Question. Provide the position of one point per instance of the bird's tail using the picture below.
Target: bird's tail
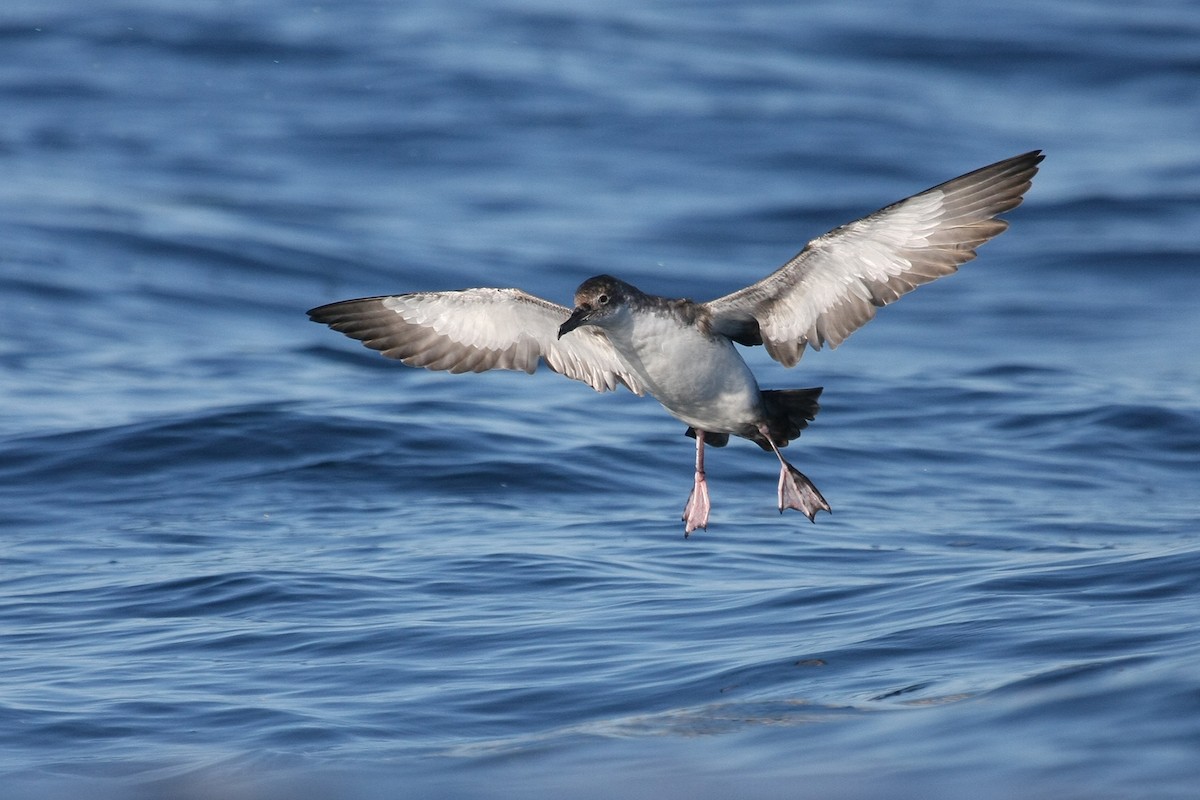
(788, 412)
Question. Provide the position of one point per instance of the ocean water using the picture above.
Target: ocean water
(242, 556)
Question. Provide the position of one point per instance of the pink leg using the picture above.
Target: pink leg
(695, 513)
(795, 490)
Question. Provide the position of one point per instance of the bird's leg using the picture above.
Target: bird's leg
(795, 490)
(695, 513)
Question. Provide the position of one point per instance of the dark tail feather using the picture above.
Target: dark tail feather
(788, 412)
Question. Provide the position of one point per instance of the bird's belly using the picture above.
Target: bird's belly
(700, 380)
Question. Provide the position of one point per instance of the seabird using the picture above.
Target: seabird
(681, 352)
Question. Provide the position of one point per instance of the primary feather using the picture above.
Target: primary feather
(473, 330)
(837, 282)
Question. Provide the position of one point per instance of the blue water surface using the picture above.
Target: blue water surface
(241, 555)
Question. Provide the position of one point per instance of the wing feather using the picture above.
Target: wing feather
(473, 330)
(837, 282)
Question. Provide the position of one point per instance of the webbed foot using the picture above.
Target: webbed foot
(796, 491)
(695, 513)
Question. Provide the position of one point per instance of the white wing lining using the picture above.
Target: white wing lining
(473, 330)
(837, 282)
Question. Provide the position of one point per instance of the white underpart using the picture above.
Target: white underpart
(700, 379)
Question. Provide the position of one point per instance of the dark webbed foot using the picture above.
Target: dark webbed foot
(797, 491)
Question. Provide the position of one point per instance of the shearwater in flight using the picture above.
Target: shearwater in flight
(683, 353)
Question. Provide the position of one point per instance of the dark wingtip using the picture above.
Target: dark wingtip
(324, 314)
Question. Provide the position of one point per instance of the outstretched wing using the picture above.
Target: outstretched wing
(833, 286)
(473, 330)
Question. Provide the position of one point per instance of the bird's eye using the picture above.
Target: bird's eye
(602, 299)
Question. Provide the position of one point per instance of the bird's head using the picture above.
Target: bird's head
(599, 301)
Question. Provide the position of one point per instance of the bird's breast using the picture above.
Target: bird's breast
(701, 379)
